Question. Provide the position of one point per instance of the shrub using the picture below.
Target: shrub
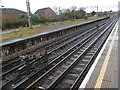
(21, 22)
(54, 20)
(42, 20)
(85, 17)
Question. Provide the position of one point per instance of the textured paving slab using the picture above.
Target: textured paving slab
(110, 78)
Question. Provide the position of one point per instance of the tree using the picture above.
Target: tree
(67, 14)
(24, 16)
(93, 13)
(110, 11)
(73, 10)
(80, 13)
(82, 8)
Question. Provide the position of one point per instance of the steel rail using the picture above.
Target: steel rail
(50, 70)
(69, 41)
(59, 46)
(50, 51)
(52, 85)
(20, 65)
(58, 58)
(59, 40)
(53, 49)
(80, 77)
(32, 62)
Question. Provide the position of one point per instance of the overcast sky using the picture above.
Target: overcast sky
(37, 4)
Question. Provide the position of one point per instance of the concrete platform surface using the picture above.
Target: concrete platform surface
(104, 71)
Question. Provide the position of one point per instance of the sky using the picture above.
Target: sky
(103, 5)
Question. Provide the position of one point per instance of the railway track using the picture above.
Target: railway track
(54, 63)
(74, 74)
(57, 46)
(22, 65)
(51, 50)
(11, 63)
(70, 70)
(74, 40)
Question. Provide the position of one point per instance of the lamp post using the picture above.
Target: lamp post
(28, 13)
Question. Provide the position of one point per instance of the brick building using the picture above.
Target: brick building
(47, 13)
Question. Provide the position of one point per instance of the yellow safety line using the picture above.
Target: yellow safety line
(104, 66)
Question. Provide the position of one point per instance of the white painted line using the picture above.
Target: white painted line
(86, 79)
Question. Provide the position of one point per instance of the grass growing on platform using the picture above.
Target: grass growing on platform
(24, 32)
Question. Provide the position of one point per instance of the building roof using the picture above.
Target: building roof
(41, 10)
(11, 11)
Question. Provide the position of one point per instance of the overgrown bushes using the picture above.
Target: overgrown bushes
(54, 20)
(85, 17)
(22, 21)
(19, 23)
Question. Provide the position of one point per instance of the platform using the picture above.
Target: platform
(104, 71)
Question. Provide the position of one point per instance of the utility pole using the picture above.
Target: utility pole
(28, 13)
(97, 10)
(74, 15)
(101, 12)
(60, 14)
